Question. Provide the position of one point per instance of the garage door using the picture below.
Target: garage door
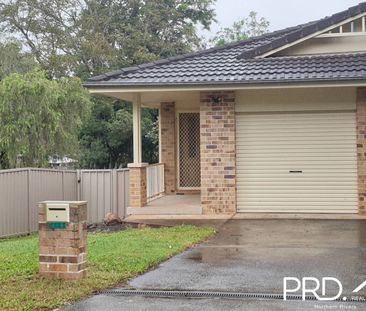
(297, 162)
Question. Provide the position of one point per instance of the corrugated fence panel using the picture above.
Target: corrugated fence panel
(22, 189)
(122, 191)
(44, 185)
(70, 186)
(102, 191)
(14, 202)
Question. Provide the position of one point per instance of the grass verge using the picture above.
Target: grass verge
(112, 258)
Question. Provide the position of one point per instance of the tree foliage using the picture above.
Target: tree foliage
(39, 117)
(14, 60)
(88, 37)
(241, 30)
(106, 138)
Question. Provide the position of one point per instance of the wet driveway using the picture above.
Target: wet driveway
(253, 256)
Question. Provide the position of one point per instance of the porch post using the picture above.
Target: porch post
(137, 153)
(138, 182)
(168, 145)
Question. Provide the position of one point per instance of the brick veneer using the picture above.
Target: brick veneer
(218, 173)
(168, 154)
(138, 186)
(361, 148)
(62, 252)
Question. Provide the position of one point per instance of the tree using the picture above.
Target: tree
(39, 117)
(87, 37)
(106, 138)
(241, 30)
(13, 59)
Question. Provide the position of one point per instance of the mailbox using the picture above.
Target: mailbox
(57, 215)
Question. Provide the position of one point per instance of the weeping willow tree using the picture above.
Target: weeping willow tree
(39, 118)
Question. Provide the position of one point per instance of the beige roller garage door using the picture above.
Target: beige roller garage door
(297, 162)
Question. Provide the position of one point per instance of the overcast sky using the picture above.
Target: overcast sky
(280, 13)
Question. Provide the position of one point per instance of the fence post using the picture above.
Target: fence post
(28, 202)
(114, 192)
(78, 184)
(63, 185)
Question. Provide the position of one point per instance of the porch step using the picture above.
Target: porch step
(170, 205)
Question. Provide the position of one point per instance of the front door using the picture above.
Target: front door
(189, 162)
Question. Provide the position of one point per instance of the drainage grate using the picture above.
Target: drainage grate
(205, 294)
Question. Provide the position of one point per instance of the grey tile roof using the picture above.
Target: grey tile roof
(235, 63)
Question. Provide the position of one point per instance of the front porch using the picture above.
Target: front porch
(188, 204)
(196, 173)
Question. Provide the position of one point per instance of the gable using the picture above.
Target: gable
(346, 37)
(316, 46)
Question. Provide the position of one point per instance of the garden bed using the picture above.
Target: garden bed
(102, 227)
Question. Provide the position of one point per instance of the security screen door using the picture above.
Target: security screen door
(189, 170)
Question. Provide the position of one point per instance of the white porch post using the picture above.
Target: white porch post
(137, 174)
(137, 145)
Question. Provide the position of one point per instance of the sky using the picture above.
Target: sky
(280, 13)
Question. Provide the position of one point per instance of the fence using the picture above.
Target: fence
(21, 190)
(155, 180)
(106, 192)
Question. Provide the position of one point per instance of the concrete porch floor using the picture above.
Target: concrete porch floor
(188, 204)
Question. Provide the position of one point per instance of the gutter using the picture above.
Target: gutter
(102, 87)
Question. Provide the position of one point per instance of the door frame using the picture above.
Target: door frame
(178, 112)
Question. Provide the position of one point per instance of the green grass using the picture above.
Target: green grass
(113, 258)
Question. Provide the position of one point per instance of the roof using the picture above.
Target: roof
(236, 63)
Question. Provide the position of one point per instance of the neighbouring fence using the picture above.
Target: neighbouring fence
(21, 190)
(106, 192)
(155, 180)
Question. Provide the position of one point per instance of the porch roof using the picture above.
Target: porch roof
(238, 63)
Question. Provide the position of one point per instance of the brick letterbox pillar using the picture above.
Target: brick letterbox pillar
(62, 245)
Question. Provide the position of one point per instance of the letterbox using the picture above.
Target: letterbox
(57, 215)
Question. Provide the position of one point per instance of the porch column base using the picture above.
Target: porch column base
(138, 190)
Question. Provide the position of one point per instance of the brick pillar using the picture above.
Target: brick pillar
(168, 138)
(361, 148)
(218, 173)
(62, 252)
(138, 188)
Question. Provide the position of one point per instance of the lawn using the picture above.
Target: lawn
(113, 258)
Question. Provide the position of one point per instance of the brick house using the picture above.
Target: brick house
(273, 124)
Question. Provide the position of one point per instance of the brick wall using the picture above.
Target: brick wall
(218, 173)
(138, 185)
(168, 137)
(361, 148)
(62, 252)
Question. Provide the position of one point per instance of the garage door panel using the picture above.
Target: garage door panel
(295, 131)
(287, 149)
(324, 117)
(303, 204)
(336, 141)
(320, 145)
(313, 210)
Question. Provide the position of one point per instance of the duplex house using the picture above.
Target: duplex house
(272, 124)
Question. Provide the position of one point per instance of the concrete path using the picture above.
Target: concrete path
(254, 256)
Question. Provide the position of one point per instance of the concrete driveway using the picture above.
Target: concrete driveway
(253, 256)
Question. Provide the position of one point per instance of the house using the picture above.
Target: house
(65, 162)
(273, 124)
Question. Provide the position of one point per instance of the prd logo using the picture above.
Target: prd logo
(315, 287)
